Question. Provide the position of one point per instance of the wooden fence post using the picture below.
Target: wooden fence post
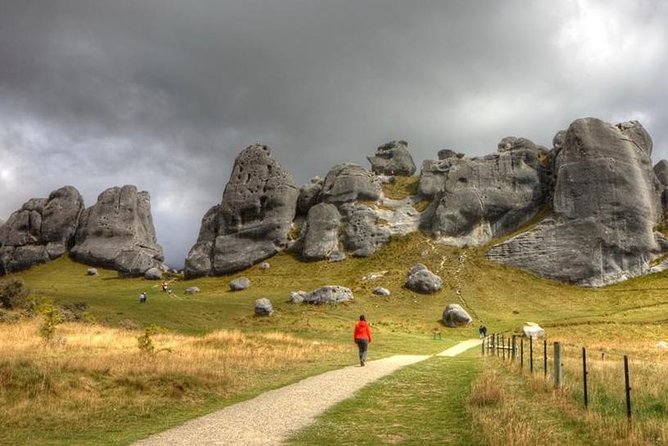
(531, 354)
(503, 347)
(558, 372)
(544, 358)
(584, 376)
(628, 388)
(483, 346)
(514, 351)
(522, 352)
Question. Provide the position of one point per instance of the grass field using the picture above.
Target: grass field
(79, 389)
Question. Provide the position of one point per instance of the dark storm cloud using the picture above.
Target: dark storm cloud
(164, 94)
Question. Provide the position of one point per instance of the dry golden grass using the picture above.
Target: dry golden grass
(90, 369)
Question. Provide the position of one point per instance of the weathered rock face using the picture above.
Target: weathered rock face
(393, 158)
(456, 316)
(253, 220)
(606, 204)
(117, 232)
(309, 195)
(477, 199)
(661, 172)
(42, 230)
(321, 237)
(350, 182)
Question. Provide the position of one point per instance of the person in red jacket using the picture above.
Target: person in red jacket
(362, 337)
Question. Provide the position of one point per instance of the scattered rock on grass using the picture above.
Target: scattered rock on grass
(380, 291)
(263, 307)
(329, 294)
(533, 330)
(191, 290)
(240, 283)
(265, 265)
(421, 280)
(92, 272)
(455, 316)
(153, 274)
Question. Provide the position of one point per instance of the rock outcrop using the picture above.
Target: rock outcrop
(253, 220)
(321, 235)
(392, 158)
(350, 182)
(477, 199)
(42, 230)
(606, 205)
(328, 294)
(117, 232)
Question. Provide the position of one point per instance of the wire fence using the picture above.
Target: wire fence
(611, 383)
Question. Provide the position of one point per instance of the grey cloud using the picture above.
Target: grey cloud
(164, 94)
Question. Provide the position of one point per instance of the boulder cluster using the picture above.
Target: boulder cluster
(599, 202)
(117, 232)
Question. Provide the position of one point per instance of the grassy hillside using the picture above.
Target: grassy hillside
(624, 317)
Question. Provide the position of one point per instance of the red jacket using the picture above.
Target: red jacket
(362, 331)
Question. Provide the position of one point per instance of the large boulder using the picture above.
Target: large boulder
(117, 232)
(606, 205)
(350, 182)
(456, 316)
(321, 235)
(329, 294)
(477, 199)
(393, 158)
(253, 220)
(42, 230)
(421, 280)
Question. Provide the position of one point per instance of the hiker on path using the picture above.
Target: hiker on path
(483, 331)
(362, 337)
(142, 297)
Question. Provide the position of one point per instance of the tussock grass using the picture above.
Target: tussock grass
(101, 372)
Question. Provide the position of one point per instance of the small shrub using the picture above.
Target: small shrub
(52, 318)
(13, 294)
(129, 324)
(144, 341)
(74, 312)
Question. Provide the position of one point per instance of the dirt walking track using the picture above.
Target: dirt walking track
(271, 417)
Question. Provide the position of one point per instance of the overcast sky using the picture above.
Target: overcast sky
(164, 94)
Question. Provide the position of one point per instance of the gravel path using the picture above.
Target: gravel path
(270, 417)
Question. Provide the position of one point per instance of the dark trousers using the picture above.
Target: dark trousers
(363, 345)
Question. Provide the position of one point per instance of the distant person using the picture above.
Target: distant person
(165, 287)
(362, 337)
(483, 331)
(142, 297)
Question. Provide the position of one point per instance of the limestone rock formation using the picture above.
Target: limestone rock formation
(117, 232)
(606, 205)
(153, 274)
(253, 220)
(661, 172)
(362, 232)
(421, 280)
(350, 182)
(42, 230)
(321, 237)
(477, 199)
(393, 158)
(309, 195)
(456, 316)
